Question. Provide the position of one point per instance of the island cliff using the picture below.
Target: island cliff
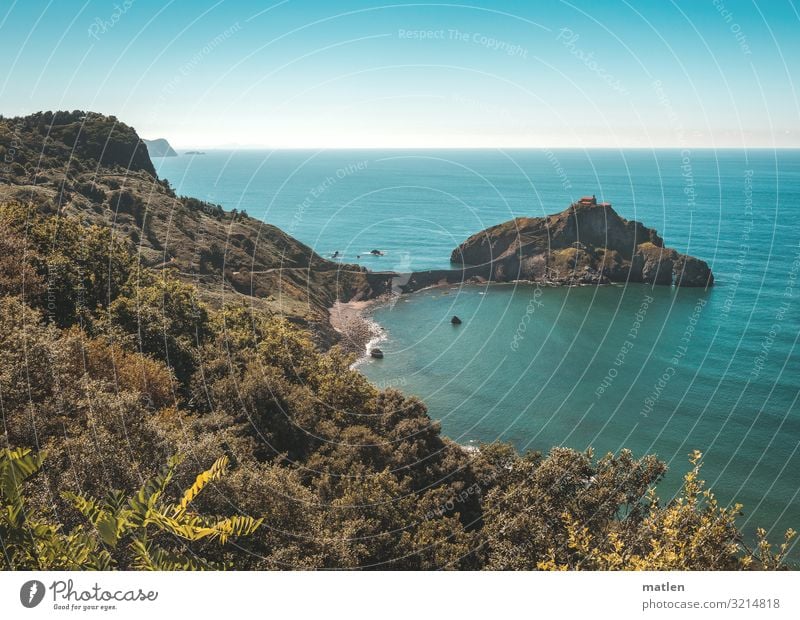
(587, 243)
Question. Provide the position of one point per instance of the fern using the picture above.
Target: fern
(216, 472)
(148, 556)
(146, 516)
(28, 542)
(132, 528)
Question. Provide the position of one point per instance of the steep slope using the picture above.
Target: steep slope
(94, 167)
(586, 243)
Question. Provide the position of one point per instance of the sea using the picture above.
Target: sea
(653, 369)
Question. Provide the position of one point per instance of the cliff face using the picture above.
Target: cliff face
(584, 244)
(93, 167)
(159, 148)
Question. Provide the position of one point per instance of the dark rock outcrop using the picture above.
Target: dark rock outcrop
(588, 243)
(160, 148)
(419, 280)
(455, 320)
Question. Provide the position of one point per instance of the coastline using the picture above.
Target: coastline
(359, 333)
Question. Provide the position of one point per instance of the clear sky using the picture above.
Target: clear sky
(355, 73)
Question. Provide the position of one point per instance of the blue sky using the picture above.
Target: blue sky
(301, 73)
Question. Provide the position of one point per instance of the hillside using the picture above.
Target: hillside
(96, 168)
(124, 395)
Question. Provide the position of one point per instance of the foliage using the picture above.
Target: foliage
(82, 268)
(139, 521)
(577, 515)
(18, 273)
(162, 317)
(126, 532)
(85, 140)
(111, 367)
(692, 531)
(29, 542)
(194, 204)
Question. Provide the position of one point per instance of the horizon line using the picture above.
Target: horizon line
(481, 148)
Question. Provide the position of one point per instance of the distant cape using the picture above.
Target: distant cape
(159, 148)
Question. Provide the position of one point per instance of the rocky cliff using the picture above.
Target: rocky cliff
(159, 148)
(587, 243)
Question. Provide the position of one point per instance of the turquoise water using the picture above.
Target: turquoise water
(652, 369)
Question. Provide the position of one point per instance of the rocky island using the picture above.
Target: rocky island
(587, 243)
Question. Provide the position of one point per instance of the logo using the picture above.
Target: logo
(31, 593)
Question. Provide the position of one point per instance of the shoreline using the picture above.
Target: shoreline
(359, 333)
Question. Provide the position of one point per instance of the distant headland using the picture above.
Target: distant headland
(159, 148)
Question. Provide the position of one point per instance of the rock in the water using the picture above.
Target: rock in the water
(691, 271)
(588, 243)
(376, 353)
(455, 320)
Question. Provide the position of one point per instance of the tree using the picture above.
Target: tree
(82, 269)
(18, 274)
(608, 517)
(164, 318)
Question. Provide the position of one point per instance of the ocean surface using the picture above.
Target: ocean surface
(653, 369)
